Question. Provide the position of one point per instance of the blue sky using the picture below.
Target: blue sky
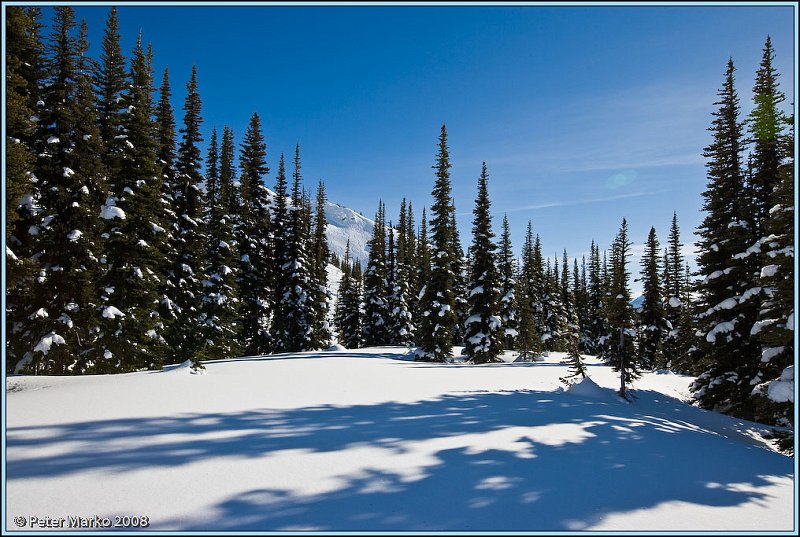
(584, 114)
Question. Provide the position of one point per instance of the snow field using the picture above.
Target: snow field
(369, 440)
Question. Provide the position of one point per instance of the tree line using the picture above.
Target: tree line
(127, 248)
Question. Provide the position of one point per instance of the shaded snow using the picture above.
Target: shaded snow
(368, 440)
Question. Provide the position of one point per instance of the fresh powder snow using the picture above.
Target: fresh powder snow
(369, 440)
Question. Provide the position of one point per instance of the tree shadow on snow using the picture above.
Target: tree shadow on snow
(629, 456)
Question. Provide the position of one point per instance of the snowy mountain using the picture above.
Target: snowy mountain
(345, 223)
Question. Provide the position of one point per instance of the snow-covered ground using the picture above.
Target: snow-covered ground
(370, 440)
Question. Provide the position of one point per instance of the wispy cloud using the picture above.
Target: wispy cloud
(568, 203)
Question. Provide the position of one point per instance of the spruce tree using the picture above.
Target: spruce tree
(652, 319)
(483, 337)
(111, 82)
(674, 307)
(530, 296)
(507, 286)
(422, 269)
(321, 296)
(726, 352)
(571, 337)
(401, 329)
(24, 78)
(186, 275)
(376, 292)
(219, 301)
(133, 331)
(438, 301)
(256, 266)
(620, 352)
(281, 260)
(347, 316)
(212, 177)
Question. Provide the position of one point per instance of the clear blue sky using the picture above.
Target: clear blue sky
(583, 114)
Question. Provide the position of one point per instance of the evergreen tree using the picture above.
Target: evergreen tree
(294, 303)
(186, 275)
(212, 177)
(320, 257)
(376, 307)
(401, 329)
(23, 80)
(507, 284)
(651, 317)
(347, 317)
(111, 82)
(483, 338)
(257, 257)
(581, 301)
(133, 331)
(423, 271)
(460, 267)
(726, 352)
(282, 261)
(438, 301)
(620, 352)
(410, 262)
(571, 338)
(64, 295)
(674, 307)
(220, 296)
(553, 315)
(530, 297)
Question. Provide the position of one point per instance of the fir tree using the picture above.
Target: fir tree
(651, 316)
(212, 177)
(257, 257)
(726, 352)
(347, 316)
(483, 338)
(111, 81)
(320, 257)
(438, 301)
(422, 270)
(401, 329)
(376, 308)
(674, 307)
(530, 297)
(186, 332)
(507, 286)
(218, 313)
(620, 352)
(282, 261)
(23, 80)
(571, 337)
(132, 335)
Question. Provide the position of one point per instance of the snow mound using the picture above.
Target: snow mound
(588, 389)
(183, 368)
(336, 347)
(782, 389)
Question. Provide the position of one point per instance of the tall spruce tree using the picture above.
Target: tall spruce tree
(483, 337)
(111, 81)
(530, 296)
(218, 310)
(401, 329)
(320, 257)
(376, 292)
(24, 78)
(507, 287)
(438, 300)
(186, 275)
(347, 316)
(212, 177)
(652, 319)
(256, 267)
(675, 356)
(620, 351)
(133, 331)
(726, 352)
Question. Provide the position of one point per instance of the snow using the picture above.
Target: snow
(68, 172)
(48, 341)
(476, 291)
(53, 140)
(721, 328)
(770, 352)
(674, 302)
(109, 210)
(769, 271)
(782, 390)
(74, 235)
(727, 304)
(110, 312)
(368, 440)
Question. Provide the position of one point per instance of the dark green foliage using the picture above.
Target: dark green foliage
(132, 327)
(110, 81)
(676, 309)
(506, 267)
(375, 326)
(728, 304)
(347, 316)
(320, 257)
(401, 329)
(438, 300)
(188, 230)
(483, 337)
(530, 294)
(619, 350)
(652, 325)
